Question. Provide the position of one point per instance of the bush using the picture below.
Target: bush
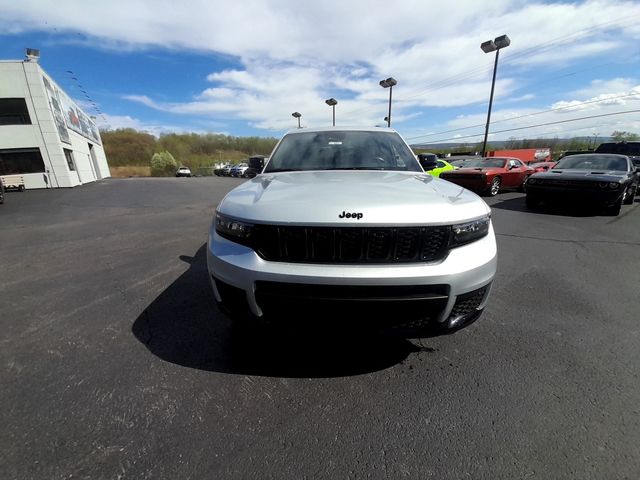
(163, 164)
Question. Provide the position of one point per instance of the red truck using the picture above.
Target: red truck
(527, 155)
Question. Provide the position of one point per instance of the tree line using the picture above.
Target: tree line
(130, 147)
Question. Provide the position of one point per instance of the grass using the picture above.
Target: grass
(130, 171)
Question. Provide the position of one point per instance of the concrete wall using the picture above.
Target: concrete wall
(25, 80)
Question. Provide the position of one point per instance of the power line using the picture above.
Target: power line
(573, 105)
(538, 125)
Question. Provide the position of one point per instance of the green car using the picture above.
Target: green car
(441, 166)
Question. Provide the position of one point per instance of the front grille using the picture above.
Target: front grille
(396, 304)
(567, 183)
(350, 244)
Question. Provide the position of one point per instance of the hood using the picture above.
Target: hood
(326, 197)
(569, 174)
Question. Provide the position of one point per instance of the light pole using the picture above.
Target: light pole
(389, 83)
(490, 46)
(297, 115)
(332, 102)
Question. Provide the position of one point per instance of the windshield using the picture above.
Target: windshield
(342, 150)
(484, 162)
(593, 162)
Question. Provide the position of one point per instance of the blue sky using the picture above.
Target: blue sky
(242, 68)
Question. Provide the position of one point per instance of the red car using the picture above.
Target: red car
(489, 175)
(542, 166)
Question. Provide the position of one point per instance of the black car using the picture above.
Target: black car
(596, 179)
(630, 149)
(1, 191)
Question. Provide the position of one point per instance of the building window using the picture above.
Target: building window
(13, 111)
(69, 156)
(21, 160)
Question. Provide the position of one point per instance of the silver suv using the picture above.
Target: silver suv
(344, 225)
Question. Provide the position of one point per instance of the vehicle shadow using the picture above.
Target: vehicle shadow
(567, 210)
(183, 326)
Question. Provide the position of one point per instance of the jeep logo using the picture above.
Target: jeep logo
(355, 215)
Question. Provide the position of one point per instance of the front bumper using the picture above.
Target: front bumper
(452, 291)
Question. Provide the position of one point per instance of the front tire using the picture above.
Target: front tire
(629, 195)
(494, 188)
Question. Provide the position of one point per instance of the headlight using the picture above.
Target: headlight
(614, 185)
(234, 230)
(531, 180)
(468, 232)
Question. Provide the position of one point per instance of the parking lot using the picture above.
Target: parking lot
(116, 363)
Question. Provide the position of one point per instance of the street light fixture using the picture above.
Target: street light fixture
(332, 102)
(297, 115)
(487, 47)
(389, 83)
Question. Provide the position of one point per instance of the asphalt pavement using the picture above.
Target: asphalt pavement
(115, 363)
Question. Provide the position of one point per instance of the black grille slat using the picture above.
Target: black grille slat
(380, 243)
(351, 244)
(407, 243)
(435, 241)
(322, 244)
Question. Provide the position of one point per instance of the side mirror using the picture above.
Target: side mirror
(427, 162)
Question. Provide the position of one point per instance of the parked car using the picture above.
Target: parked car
(432, 165)
(630, 149)
(574, 152)
(218, 171)
(490, 175)
(458, 162)
(599, 179)
(239, 170)
(226, 170)
(542, 166)
(1, 191)
(441, 166)
(256, 164)
(344, 226)
(183, 172)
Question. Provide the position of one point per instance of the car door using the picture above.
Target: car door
(510, 175)
(517, 172)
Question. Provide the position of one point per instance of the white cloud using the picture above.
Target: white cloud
(293, 55)
(113, 122)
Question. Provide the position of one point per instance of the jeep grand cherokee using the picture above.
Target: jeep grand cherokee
(343, 224)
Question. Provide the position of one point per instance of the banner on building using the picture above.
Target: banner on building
(77, 120)
(56, 109)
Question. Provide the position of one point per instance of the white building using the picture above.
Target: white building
(44, 136)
